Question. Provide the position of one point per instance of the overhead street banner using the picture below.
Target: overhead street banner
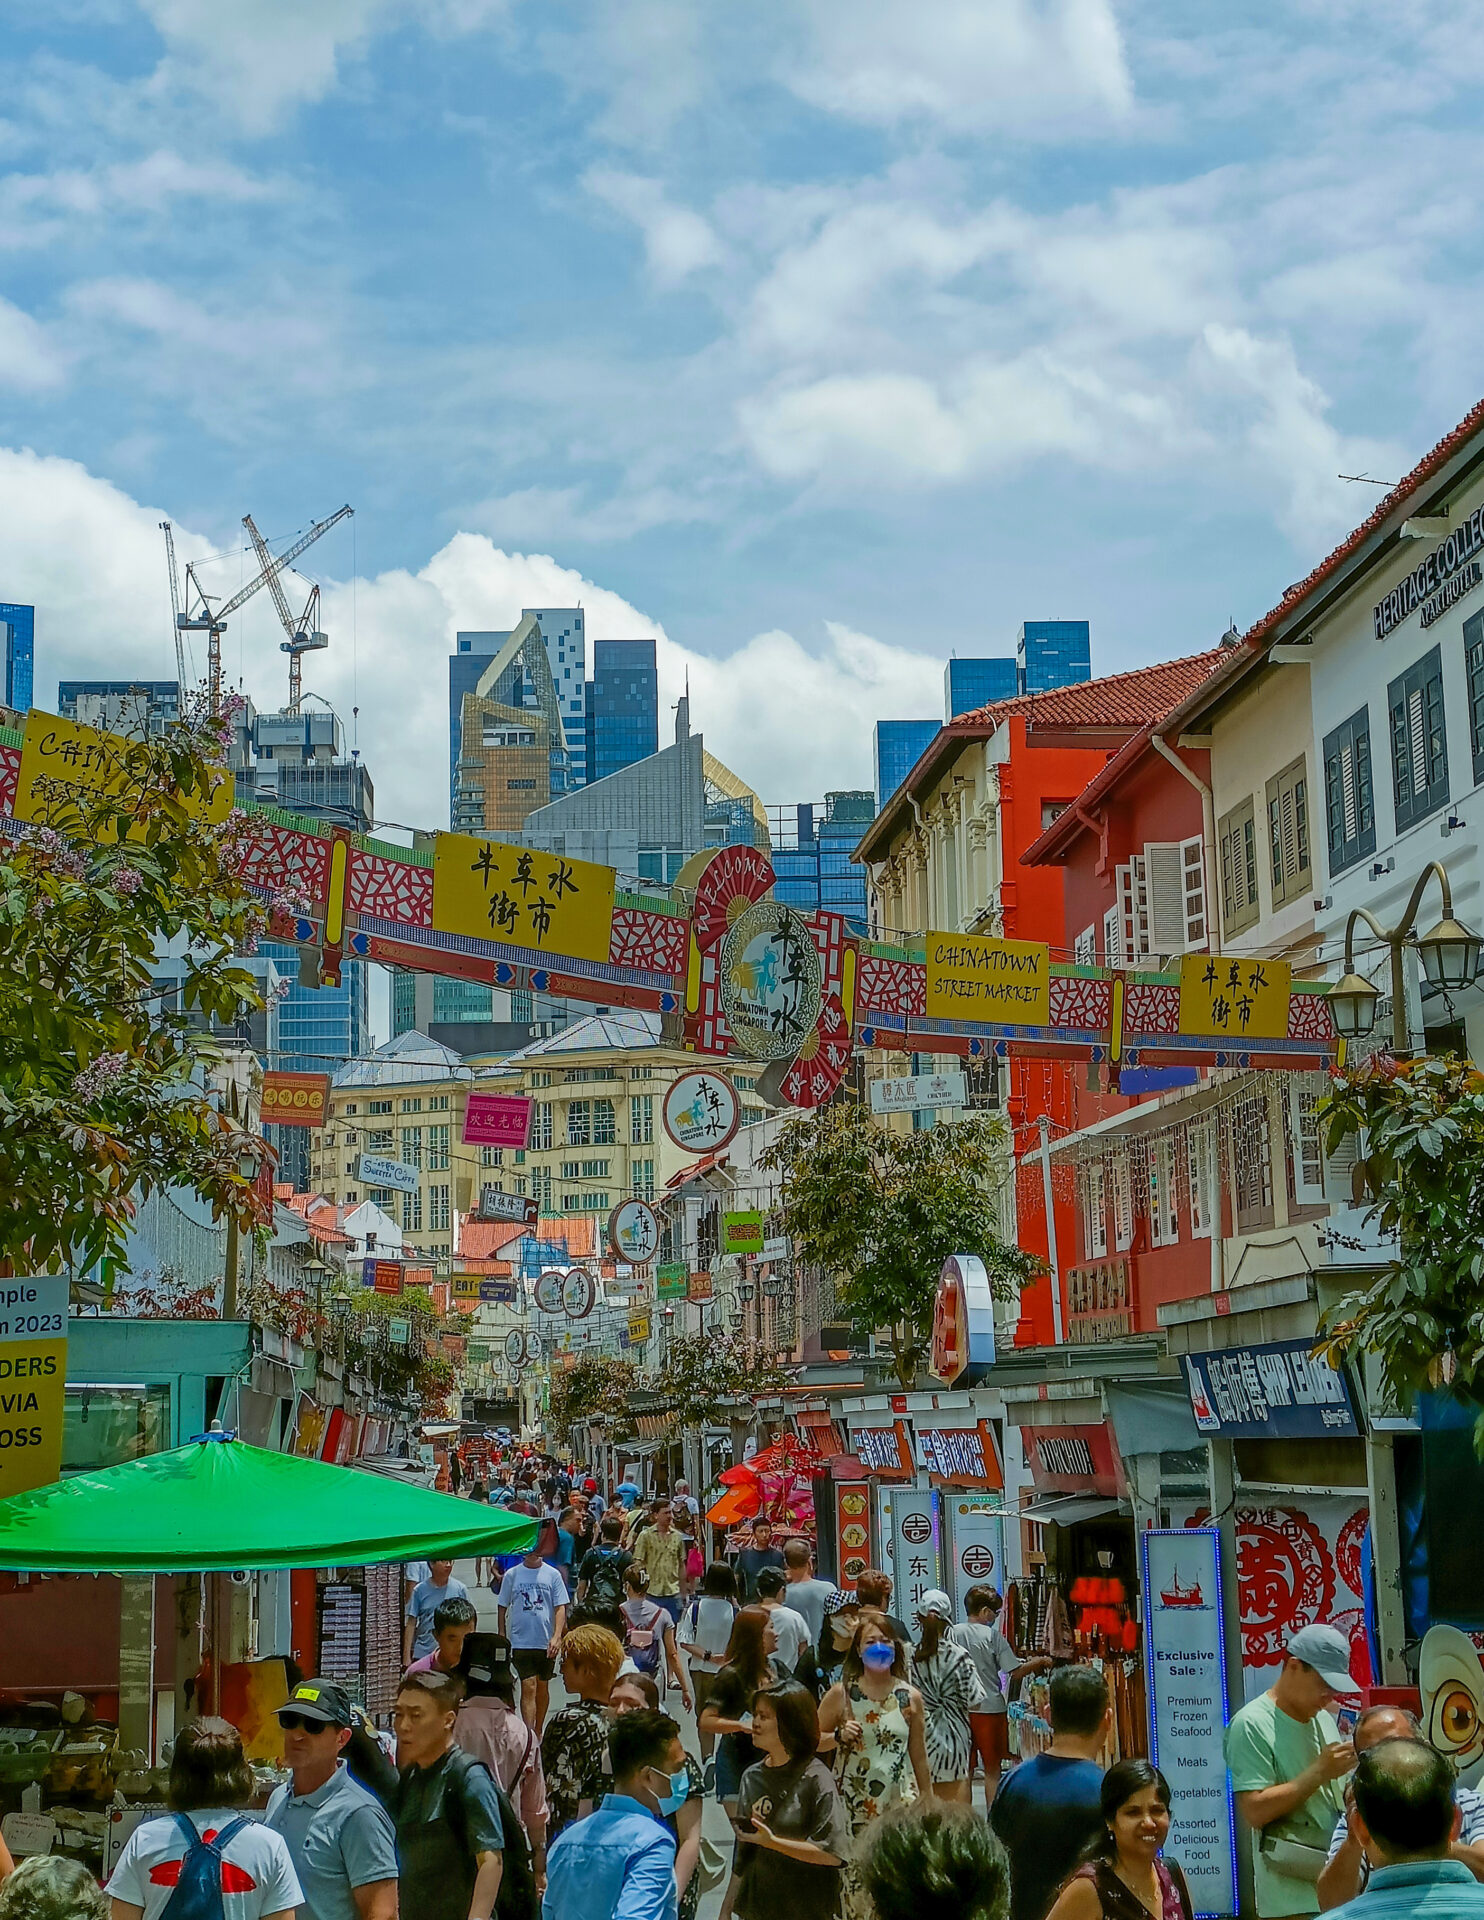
(920, 1093)
(372, 1170)
(1005, 982)
(33, 1381)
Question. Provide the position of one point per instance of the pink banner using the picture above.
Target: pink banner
(496, 1120)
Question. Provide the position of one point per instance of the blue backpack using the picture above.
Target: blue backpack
(198, 1892)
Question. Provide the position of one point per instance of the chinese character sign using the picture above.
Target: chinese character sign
(973, 978)
(487, 890)
(1236, 999)
(1257, 1392)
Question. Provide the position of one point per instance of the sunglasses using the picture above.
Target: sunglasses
(299, 1723)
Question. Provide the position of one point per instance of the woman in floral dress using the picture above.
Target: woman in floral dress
(875, 1719)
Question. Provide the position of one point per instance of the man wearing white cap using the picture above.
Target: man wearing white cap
(1287, 1759)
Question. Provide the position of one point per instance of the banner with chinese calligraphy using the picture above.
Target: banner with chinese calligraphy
(1282, 1390)
(1006, 982)
(295, 1099)
(487, 890)
(670, 1279)
(884, 1450)
(966, 1456)
(1237, 999)
(916, 1546)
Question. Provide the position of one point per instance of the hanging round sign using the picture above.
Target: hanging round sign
(700, 1111)
(579, 1294)
(633, 1232)
(963, 1349)
(533, 1349)
(771, 980)
(549, 1290)
(515, 1346)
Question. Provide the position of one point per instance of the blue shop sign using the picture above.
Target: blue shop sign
(1282, 1390)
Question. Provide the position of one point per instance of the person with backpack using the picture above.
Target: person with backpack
(705, 1630)
(649, 1630)
(340, 1837)
(489, 1729)
(621, 1860)
(205, 1860)
(600, 1591)
(463, 1853)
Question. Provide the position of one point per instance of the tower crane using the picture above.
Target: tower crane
(201, 617)
(180, 665)
(303, 634)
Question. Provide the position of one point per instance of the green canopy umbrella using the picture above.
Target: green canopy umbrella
(220, 1504)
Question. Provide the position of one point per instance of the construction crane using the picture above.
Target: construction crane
(303, 634)
(200, 616)
(180, 665)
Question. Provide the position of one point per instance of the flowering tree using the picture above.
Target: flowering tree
(706, 1375)
(102, 1091)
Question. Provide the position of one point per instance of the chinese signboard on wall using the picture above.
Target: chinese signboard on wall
(1281, 1390)
(967, 1456)
(670, 1278)
(295, 1099)
(970, 977)
(496, 1120)
(1235, 999)
(489, 891)
(1074, 1460)
(742, 1232)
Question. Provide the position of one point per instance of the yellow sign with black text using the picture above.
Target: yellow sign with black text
(970, 977)
(33, 1381)
(1237, 1000)
(487, 890)
(59, 754)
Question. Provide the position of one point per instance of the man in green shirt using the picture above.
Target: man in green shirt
(660, 1550)
(1286, 1760)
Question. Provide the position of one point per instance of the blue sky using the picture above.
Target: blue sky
(819, 339)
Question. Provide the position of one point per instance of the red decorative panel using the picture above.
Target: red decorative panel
(10, 772)
(280, 858)
(1081, 1003)
(391, 889)
(1149, 1008)
(829, 937)
(889, 986)
(734, 878)
(822, 1060)
(1309, 1018)
(653, 941)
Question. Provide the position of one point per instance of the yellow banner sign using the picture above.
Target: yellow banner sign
(56, 750)
(638, 1329)
(33, 1381)
(970, 977)
(1234, 999)
(486, 890)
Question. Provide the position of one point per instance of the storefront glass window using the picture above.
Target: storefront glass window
(106, 1426)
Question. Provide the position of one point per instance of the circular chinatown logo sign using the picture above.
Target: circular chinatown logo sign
(549, 1290)
(700, 1112)
(633, 1232)
(579, 1293)
(771, 981)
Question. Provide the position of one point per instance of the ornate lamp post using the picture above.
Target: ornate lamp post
(1450, 956)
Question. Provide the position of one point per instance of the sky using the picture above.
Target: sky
(820, 340)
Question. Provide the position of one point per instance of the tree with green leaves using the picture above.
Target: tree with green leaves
(881, 1211)
(596, 1386)
(705, 1376)
(1419, 1125)
(103, 1093)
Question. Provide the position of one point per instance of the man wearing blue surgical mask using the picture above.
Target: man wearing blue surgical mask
(619, 1863)
(682, 1807)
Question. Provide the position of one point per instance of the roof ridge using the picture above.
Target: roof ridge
(1080, 691)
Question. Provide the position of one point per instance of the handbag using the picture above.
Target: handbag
(1293, 1857)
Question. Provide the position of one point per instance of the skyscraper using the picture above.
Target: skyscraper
(1053, 653)
(812, 848)
(18, 636)
(565, 633)
(971, 684)
(897, 747)
(623, 706)
(564, 636)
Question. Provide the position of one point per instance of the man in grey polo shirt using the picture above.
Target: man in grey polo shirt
(342, 1840)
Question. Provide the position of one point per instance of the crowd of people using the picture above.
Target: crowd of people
(841, 1742)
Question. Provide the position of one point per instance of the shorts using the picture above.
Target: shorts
(990, 1735)
(532, 1663)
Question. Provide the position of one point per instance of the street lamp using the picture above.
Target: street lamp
(737, 1322)
(745, 1292)
(1450, 956)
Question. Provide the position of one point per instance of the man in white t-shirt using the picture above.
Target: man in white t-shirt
(209, 1780)
(792, 1628)
(532, 1616)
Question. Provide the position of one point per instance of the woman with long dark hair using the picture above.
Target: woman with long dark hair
(951, 1690)
(748, 1669)
(1123, 1876)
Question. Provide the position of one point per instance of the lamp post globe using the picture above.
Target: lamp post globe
(1352, 1004)
(1450, 955)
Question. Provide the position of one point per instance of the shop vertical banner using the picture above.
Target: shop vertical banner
(976, 1542)
(916, 1546)
(33, 1381)
(1186, 1661)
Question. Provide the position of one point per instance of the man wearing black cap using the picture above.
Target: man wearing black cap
(342, 1840)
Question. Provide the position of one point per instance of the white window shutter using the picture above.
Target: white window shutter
(1310, 1188)
(1113, 955)
(1199, 1142)
(1339, 1172)
(1085, 947)
(1123, 1205)
(1164, 867)
(1193, 859)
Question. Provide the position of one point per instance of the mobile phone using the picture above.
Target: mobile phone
(1345, 1719)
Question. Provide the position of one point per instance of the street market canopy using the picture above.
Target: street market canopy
(220, 1504)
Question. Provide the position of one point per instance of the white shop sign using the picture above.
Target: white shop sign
(919, 1093)
(976, 1543)
(373, 1171)
(916, 1548)
(1186, 1660)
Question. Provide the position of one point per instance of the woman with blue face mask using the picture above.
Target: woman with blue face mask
(792, 1836)
(681, 1808)
(873, 1718)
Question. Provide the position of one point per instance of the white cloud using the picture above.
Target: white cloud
(791, 722)
(677, 241)
(1042, 68)
(30, 362)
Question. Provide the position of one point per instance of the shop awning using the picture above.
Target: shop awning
(1066, 1509)
(222, 1504)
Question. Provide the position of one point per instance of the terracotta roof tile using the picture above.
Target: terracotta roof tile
(482, 1239)
(1116, 700)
